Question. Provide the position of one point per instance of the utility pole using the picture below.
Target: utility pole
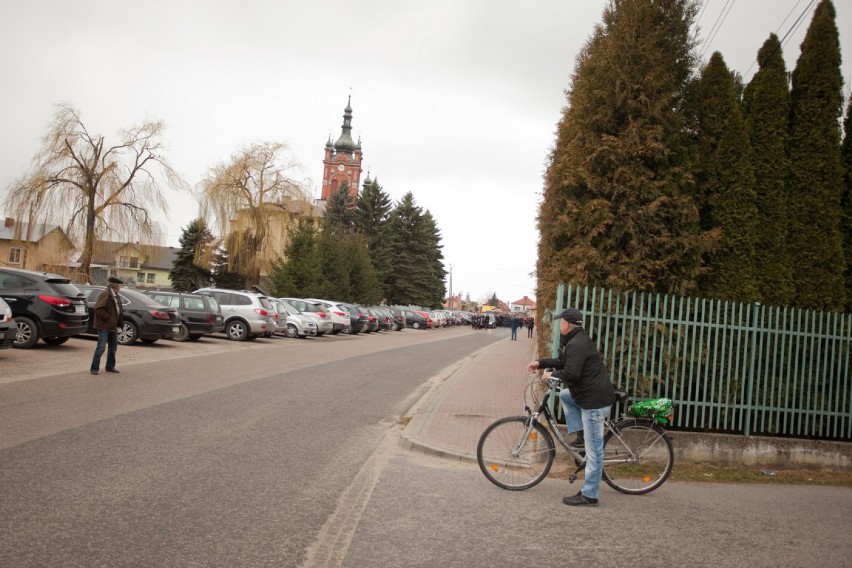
(451, 302)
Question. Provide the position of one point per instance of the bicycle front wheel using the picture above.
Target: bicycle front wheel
(514, 457)
(638, 456)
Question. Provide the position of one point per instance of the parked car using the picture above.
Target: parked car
(384, 317)
(247, 315)
(8, 327)
(373, 322)
(142, 318)
(44, 305)
(398, 319)
(323, 321)
(292, 322)
(438, 318)
(337, 312)
(415, 320)
(359, 319)
(199, 315)
(429, 322)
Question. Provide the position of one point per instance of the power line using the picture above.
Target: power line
(793, 27)
(717, 25)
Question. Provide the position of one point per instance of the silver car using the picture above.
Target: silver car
(247, 315)
(311, 310)
(291, 322)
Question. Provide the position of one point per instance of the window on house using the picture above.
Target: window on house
(128, 262)
(150, 278)
(15, 255)
(140, 277)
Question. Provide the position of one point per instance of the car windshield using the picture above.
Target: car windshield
(214, 304)
(290, 307)
(64, 287)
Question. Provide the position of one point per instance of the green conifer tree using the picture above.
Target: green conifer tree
(413, 255)
(846, 154)
(767, 104)
(299, 273)
(725, 185)
(371, 217)
(816, 181)
(187, 274)
(618, 208)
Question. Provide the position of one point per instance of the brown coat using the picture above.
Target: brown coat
(107, 314)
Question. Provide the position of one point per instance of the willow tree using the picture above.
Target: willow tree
(618, 208)
(100, 190)
(242, 196)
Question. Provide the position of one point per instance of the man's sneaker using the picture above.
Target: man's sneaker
(580, 499)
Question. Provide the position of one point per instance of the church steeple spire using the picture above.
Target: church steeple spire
(342, 161)
(345, 142)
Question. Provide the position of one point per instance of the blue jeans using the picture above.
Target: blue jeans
(591, 422)
(514, 332)
(105, 339)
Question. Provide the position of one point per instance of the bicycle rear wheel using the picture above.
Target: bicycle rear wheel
(512, 459)
(647, 454)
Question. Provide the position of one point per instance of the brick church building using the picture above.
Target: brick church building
(342, 161)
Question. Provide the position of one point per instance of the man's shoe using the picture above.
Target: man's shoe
(112, 370)
(579, 443)
(94, 372)
(580, 499)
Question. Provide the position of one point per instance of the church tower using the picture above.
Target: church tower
(342, 162)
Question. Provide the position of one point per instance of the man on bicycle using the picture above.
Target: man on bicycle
(587, 400)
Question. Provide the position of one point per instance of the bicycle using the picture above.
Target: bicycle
(517, 452)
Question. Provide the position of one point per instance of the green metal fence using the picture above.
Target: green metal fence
(729, 367)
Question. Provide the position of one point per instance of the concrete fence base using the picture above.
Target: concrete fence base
(760, 451)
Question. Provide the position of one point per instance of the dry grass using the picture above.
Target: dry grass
(733, 474)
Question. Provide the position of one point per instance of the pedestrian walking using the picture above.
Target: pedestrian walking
(530, 324)
(107, 316)
(587, 400)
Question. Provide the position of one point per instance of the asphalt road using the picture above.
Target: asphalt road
(285, 453)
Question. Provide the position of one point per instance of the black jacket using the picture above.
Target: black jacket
(581, 367)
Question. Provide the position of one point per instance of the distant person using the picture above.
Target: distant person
(107, 315)
(514, 325)
(587, 400)
(530, 324)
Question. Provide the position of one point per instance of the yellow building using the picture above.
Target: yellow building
(34, 246)
(138, 265)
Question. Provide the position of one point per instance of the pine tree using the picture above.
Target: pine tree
(186, 275)
(340, 210)
(725, 186)
(371, 217)
(816, 98)
(300, 275)
(222, 276)
(846, 154)
(618, 208)
(766, 106)
(412, 280)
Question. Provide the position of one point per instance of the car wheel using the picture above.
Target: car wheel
(416, 325)
(27, 333)
(320, 333)
(237, 331)
(347, 330)
(292, 331)
(182, 334)
(127, 333)
(54, 340)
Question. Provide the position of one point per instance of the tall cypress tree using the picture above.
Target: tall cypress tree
(816, 181)
(725, 186)
(412, 251)
(186, 273)
(371, 217)
(618, 208)
(767, 108)
(846, 155)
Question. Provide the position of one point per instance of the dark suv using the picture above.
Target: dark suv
(142, 317)
(44, 305)
(199, 315)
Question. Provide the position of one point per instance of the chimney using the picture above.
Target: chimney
(9, 222)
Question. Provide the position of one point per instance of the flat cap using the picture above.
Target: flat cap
(114, 280)
(571, 315)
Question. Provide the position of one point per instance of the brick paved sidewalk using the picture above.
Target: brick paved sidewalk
(488, 386)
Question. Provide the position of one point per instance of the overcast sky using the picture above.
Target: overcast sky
(455, 101)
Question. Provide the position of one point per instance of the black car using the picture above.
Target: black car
(415, 320)
(143, 318)
(8, 327)
(199, 315)
(358, 317)
(44, 305)
(398, 318)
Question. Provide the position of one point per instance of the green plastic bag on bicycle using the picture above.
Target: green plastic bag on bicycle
(659, 409)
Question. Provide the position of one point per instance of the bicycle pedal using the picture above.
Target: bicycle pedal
(572, 478)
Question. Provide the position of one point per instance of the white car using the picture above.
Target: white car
(291, 322)
(339, 315)
(311, 310)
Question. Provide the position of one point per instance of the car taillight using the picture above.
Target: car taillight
(372, 318)
(160, 315)
(54, 301)
(340, 314)
(210, 318)
(321, 314)
(261, 311)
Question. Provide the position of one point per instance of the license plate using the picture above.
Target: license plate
(175, 329)
(80, 309)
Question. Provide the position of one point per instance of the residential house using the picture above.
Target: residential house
(522, 306)
(138, 265)
(34, 246)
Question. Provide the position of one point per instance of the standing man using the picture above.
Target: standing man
(587, 400)
(514, 326)
(530, 325)
(107, 315)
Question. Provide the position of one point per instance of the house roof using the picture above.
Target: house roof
(105, 253)
(525, 301)
(38, 231)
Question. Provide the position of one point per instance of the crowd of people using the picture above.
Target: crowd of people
(490, 320)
